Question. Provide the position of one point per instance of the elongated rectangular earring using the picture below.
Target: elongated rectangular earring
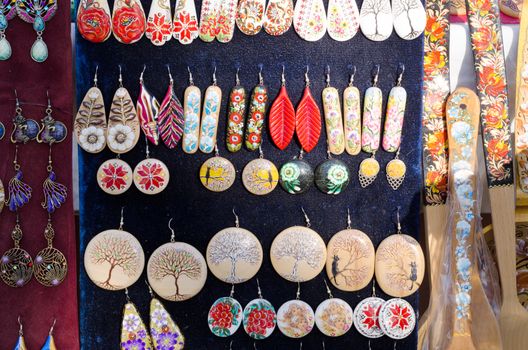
(192, 102)
(37, 12)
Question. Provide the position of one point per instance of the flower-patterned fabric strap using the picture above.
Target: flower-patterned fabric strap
(435, 92)
(486, 39)
(521, 110)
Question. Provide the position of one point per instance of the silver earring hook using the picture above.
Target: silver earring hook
(141, 75)
(283, 76)
(400, 76)
(369, 348)
(374, 287)
(17, 102)
(120, 77)
(173, 234)
(306, 78)
(95, 76)
(398, 219)
(214, 76)
(300, 346)
(298, 295)
(261, 78)
(122, 221)
(237, 222)
(217, 152)
(236, 76)
(170, 75)
(21, 327)
(127, 296)
(52, 326)
(149, 289)
(49, 99)
(328, 76)
(255, 346)
(306, 218)
(349, 221)
(232, 293)
(258, 289)
(191, 80)
(351, 81)
(376, 75)
(147, 148)
(261, 153)
(324, 347)
(301, 154)
(231, 345)
(328, 291)
(395, 345)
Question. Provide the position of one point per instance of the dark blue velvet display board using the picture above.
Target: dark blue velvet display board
(199, 214)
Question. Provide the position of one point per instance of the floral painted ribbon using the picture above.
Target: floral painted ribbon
(486, 39)
(521, 110)
(435, 93)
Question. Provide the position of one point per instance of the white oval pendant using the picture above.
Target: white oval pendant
(260, 319)
(295, 319)
(334, 317)
(225, 317)
(114, 176)
(151, 176)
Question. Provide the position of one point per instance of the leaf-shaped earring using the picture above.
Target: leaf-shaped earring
(375, 19)
(256, 115)
(163, 329)
(185, 25)
(147, 109)
(409, 18)
(278, 17)
(250, 16)
(210, 114)
(7, 12)
(49, 344)
(37, 12)
(151, 175)
(235, 116)
(128, 21)
(123, 122)
(343, 19)
(309, 19)
(352, 117)
(192, 102)
(282, 117)
(308, 119)
(170, 117)
(90, 121)
(134, 333)
(159, 22)
(226, 21)
(21, 343)
(333, 117)
(93, 20)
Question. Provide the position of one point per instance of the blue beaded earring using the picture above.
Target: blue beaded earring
(37, 12)
(7, 12)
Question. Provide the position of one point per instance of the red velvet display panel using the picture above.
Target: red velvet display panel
(36, 304)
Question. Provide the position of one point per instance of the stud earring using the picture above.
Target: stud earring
(50, 341)
(37, 12)
(7, 12)
(21, 343)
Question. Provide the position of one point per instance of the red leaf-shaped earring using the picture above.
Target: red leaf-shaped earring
(282, 118)
(170, 117)
(308, 119)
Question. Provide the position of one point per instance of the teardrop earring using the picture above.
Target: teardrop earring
(21, 343)
(128, 21)
(37, 12)
(134, 333)
(7, 12)
(93, 20)
(49, 344)
(282, 117)
(163, 329)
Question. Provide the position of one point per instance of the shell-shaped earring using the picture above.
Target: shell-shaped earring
(21, 343)
(49, 344)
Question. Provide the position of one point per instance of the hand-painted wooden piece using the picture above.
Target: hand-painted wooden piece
(296, 176)
(278, 17)
(225, 317)
(210, 114)
(185, 24)
(192, 103)
(334, 317)
(134, 333)
(147, 109)
(159, 22)
(512, 8)
(334, 120)
(250, 16)
(151, 176)
(298, 254)
(350, 261)
(295, 319)
(114, 259)
(457, 7)
(123, 123)
(170, 118)
(235, 118)
(332, 176)
(397, 318)
(309, 19)
(93, 20)
(521, 109)
(226, 21)
(209, 19)
(392, 132)
(260, 176)
(260, 319)
(368, 171)
(352, 120)
(343, 19)
(114, 176)
(128, 21)
(409, 18)
(163, 329)
(176, 271)
(217, 174)
(234, 255)
(366, 317)
(255, 117)
(395, 171)
(282, 120)
(371, 133)
(308, 121)
(90, 122)
(376, 20)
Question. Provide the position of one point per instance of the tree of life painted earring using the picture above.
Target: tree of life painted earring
(260, 176)
(37, 12)
(151, 175)
(366, 315)
(7, 12)
(296, 318)
(260, 318)
(334, 317)
(392, 133)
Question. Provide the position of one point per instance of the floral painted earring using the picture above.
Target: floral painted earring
(332, 176)
(134, 333)
(128, 21)
(170, 117)
(352, 117)
(185, 25)
(296, 176)
(366, 315)
(151, 175)
(334, 317)
(309, 20)
(210, 114)
(159, 22)
(209, 17)
(192, 102)
(343, 19)
(7, 12)
(49, 344)
(333, 117)
(250, 16)
(256, 115)
(21, 343)
(278, 17)
(227, 15)
(147, 110)
(37, 12)
(115, 176)
(93, 20)
(235, 117)
(260, 318)
(163, 330)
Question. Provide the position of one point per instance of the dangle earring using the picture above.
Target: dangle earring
(392, 133)
(210, 114)
(227, 15)
(334, 317)
(128, 21)
(257, 113)
(282, 117)
(37, 12)
(409, 18)
(93, 20)
(370, 138)
(260, 176)
(343, 19)
(333, 118)
(185, 24)
(90, 121)
(366, 315)
(350, 262)
(7, 12)
(49, 344)
(278, 17)
(260, 318)
(114, 259)
(250, 16)
(296, 318)
(209, 20)
(176, 270)
(352, 117)
(332, 176)
(376, 20)
(192, 101)
(147, 110)
(170, 117)
(309, 20)
(16, 264)
(115, 176)
(308, 117)
(21, 343)
(236, 115)
(151, 175)
(163, 329)
(159, 22)
(297, 175)
(134, 333)
(217, 174)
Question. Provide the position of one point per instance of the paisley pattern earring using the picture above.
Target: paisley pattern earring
(93, 20)
(333, 117)
(278, 17)
(296, 318)
(192, 102)
(151, 175)
(147, 107)
(366, 315)
(185, 25)
(49, 344)
(352, 117)
(128, 21)
(176, 270)
(134, 333)
(334, 317)
(210, 114)
(170, 117)
(260, 176)
(282, 117)
(256, 115)
(163, 329)
(235, 116)
(21, 343)
(260, 318)
(37, 12)
(7, 12)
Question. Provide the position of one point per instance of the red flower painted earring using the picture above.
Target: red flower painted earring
(128, 21)
(93, 20)
(151, 175)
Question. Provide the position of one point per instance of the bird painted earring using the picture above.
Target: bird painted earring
(260, 176)
(21, 343)
(7, 12)
(49, 344)
(37, 12)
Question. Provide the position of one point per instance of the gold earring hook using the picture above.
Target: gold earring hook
(173, 234)
(306, 218)
(237, 222)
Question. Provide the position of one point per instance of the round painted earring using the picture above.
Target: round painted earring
(217, 174)
(115, 176)
(332, 176)
(151, 175)
(397, 309)
(176, 271)
(260, 176)
(296, 176)
(334, 317)
(366, 315)
(260, 318)
(295, 318)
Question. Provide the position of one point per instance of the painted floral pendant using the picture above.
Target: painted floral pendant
(147, 107)
(114, 259)
(366, 317)
(282, 119)
(334, 317)
(409, 18)
(308, 121)
(278, 17)
(226, 21)
(395, 171)
(210, 114)
(352, 120)
(90, 122)
(260, 319)
(217, 174)
(368, 171)
(209, 20)
(170, 118)
(114, 176)
(250, 16)
(309, 19)
(296, 176)
(185, 25)
(295, 319)
(93, 20)
(234, 255)
(163, 330)
(298, 254)
(333, 120)
(332, 176)
(397, 318)
(192, 103)
(128, 21)
(134, 333)
(159, 22)
(151, 176)
(350, 266)
(255, 118)
(176, 271)
(376, 20)
(123, 123)
(394, 119)
(343, 19)
(400, 265)
(260, 176)
(235, 122)
(371, 132)
(225, 317)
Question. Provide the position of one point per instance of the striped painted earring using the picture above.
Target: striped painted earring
(50, 341)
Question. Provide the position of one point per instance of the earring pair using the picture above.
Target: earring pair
(49, 344)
